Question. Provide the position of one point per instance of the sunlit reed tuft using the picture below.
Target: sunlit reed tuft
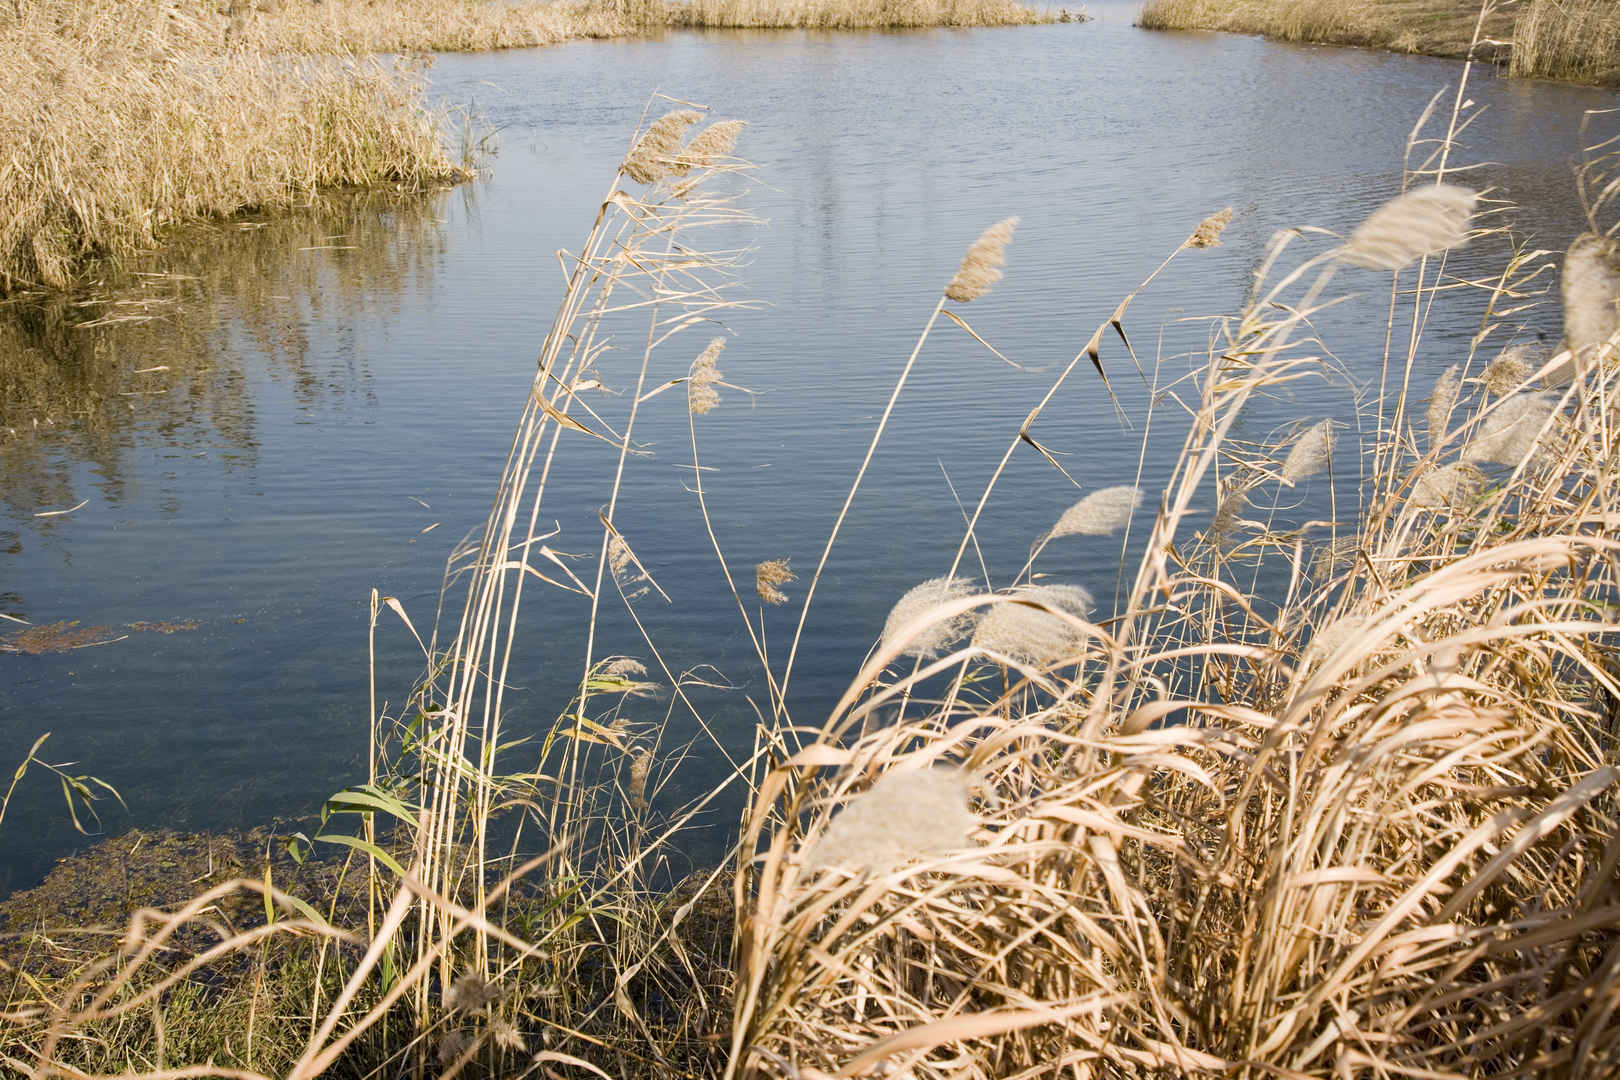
(1591, 288)
(640, 770)
(769, 576)
(1424, 221)
(1310, 454)
(1208, 233)
(981, 266)
(1027, 634)
(701, 395)
(905, 816)
(937, 636)
(653, 156)
(1100, 513)
(1509, 434)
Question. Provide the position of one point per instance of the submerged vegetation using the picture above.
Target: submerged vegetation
(1578, 40)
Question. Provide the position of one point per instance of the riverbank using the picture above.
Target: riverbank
(122, 120)
(1571, 40)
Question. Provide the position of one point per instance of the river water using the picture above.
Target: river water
(285, 413)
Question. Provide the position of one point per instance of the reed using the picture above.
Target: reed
(849, 14)
(122, 120)
(1578, 40)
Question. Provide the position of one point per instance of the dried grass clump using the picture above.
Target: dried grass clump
(769, 577)
(1424, 221)
(981, 266)
(1365, 827)
(1567, 39)
(120, 120)
(918, 603)
(1591, 291)
(906, 816)
(1099, 514)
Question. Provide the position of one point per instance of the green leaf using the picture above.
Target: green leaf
(358, 844)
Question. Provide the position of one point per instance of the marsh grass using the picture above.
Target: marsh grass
(123, 120)
(1366, 824)
(849, 14)
(1568, 39)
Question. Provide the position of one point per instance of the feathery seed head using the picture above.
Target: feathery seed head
(1032, 635)
(1445, 487)
(1334, 556)
(1208, 233)
(1441, 402)
(1424, 221)
(1508, 371)
(1310, 454)
(906, 815)
(709, 146)
(701, 396)
(653, 156)
(640, 769)
(626, 571)
(937, 636)
(624, 668)
(768, 576)
(981, 266)
(1591, 288)
(1511, 432)
(470, 993)
(1100, 513)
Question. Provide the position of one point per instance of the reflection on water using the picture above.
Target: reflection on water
(161, 348)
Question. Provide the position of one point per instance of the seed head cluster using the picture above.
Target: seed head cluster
(1310, 454)
(701, 395)
(769, 576)
(1591, 288)
(653, 156)
(1034, 631)
(1511, 432)
(1208, 233)
(981, 266)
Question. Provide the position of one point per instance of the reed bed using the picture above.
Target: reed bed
(1577, 40)
(121, 120)
(1360, 823)
(850, 14)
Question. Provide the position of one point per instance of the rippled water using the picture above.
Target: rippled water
(289, 412)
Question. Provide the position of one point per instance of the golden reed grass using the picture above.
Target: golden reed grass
(120, 120)
(1577, 40)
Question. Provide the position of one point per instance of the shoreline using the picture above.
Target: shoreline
(1578, 44)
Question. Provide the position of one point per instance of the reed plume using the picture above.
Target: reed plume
(1446, 486)
(1510, 433)
(1034, 631)
(1508, 372)
(1441, 401)
(1591, 290)
(1208, 233)
(769, 576)
(938, 635)
(1424, 221)
(653, 156)
(1102, 512)
(701, 395)
(906, 816)
(1310, 454)
(981, 266)
(709, 147)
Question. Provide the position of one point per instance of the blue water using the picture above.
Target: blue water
(329, 373)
